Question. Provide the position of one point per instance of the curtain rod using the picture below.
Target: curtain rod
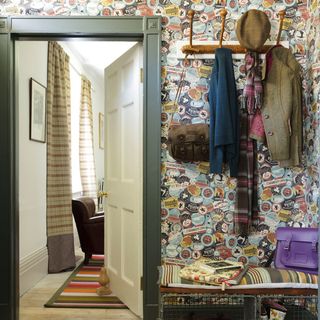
(80, 74)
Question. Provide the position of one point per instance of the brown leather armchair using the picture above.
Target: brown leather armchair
(90, 227)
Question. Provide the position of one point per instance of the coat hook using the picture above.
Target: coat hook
(190, 16)
(223, 14)
(281, 15)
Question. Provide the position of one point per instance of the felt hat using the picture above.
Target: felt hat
(253, 29)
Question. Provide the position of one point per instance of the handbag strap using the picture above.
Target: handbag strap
(178, 93)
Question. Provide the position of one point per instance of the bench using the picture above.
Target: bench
(256, 285)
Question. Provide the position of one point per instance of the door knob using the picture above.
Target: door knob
(103, 194)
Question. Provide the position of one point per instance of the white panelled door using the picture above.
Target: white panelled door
(123, 177)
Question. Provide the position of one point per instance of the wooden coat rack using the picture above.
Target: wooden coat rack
(198, 49)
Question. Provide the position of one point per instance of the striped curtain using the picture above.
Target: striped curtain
(59, 190)
(86, 151)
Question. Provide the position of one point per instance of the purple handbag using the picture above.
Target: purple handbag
(297, 249)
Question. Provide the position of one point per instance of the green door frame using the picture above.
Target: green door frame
(145, 29)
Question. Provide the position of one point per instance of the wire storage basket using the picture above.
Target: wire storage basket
(207, 306)
(293, 307)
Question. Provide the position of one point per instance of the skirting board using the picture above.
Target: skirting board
(33, 268)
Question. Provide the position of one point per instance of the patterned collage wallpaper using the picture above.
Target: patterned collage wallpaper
(313, 40)
(197, 208)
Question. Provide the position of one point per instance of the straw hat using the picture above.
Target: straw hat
(253, 29)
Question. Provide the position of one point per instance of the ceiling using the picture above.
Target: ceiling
(97, 55)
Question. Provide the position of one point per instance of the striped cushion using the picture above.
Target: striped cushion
(271, 275)
(169, 275)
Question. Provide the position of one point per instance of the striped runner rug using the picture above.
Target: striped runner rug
(79, 290)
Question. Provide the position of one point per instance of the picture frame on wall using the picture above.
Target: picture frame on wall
(37, 111)
(101, 130)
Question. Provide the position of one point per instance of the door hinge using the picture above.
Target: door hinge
(141, 283)
(141, 75)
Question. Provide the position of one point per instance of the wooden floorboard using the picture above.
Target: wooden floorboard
(31, 304)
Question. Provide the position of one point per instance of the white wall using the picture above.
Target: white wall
(31, 58)
(32, 62)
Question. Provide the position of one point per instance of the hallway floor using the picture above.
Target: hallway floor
(31, 304)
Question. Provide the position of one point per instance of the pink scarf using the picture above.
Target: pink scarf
(252, 96)
(253, 90)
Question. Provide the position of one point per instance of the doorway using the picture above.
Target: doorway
(146, 29)
(89, 59)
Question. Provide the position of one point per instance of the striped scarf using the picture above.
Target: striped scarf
(253, 90)
(246, 206)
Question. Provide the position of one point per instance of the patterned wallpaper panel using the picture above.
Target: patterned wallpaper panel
(313, 44)
(197, 207)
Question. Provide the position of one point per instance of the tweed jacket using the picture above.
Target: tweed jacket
(281, 109)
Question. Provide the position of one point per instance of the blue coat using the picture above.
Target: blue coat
(224, 115)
